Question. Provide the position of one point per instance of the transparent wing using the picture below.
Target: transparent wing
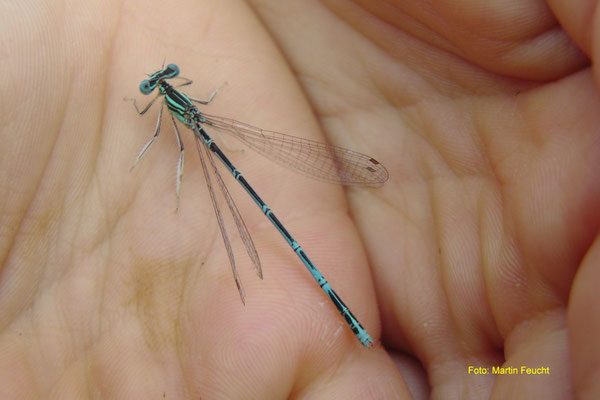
(315, 159)
(235, 213)
(217, 210)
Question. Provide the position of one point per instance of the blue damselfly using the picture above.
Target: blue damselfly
(315, 159)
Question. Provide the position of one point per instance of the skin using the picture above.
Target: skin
(479, 251)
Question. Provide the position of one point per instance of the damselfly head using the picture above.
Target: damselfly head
(147, 86)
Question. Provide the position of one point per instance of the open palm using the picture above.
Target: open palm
(478, 252)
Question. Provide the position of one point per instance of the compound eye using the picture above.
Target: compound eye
(145, 87)
(174, 70)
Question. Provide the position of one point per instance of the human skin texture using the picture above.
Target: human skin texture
(480, 251)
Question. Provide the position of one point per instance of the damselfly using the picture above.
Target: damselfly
(318, 160)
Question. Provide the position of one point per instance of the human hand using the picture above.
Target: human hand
(469, 249)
